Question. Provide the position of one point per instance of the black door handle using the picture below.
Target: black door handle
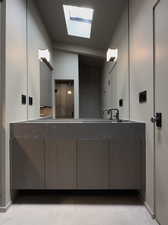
(157, 119)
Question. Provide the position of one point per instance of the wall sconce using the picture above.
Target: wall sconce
(112, 55)
(44, 54)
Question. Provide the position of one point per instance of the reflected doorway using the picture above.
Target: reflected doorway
(64, 99)
(46, 109)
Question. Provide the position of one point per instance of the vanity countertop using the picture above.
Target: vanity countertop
(72, 121)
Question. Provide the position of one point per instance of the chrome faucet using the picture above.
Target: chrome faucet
(117, 115)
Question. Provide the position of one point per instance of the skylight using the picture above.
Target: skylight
(78, 20)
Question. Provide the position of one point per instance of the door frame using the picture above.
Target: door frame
(3, 201)
(154, 98)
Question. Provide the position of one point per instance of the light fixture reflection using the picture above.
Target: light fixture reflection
(112, 55)
(69, 92)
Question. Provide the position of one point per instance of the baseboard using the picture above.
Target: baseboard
(5, 208)
(150, 210)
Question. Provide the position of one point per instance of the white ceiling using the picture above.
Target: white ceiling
(106, 14)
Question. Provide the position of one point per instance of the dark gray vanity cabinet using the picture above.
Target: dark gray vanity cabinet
(78, 156)
(125, 164)
(28, 163)
(92, 164)
(60, 158)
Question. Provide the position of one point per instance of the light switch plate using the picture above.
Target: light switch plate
(23, 99)
(143, 97)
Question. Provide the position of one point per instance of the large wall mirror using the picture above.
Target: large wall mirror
(86, 86)
(115, 76)
(104, 83)
(46, 103)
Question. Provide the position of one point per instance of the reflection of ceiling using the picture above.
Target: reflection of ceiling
(106, 15)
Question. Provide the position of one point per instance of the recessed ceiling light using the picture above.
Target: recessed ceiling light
(78, 20)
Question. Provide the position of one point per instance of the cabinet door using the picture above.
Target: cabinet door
(93, 164)
(28, 163)
(125, 164)
(60, 164)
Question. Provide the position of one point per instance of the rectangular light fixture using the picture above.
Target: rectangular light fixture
(78, 20)
(44, 54)
(112, 55)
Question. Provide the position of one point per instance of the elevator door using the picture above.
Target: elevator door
(161, 110)
(64, 97)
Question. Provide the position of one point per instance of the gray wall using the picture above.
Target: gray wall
(89, 91)
(45, 85)
(38, 38)
(115, 82)
(81, 50)
(141, 78)
(0, 104)
(2, 94)
(21, 41)
(16, 78)
(67, 68)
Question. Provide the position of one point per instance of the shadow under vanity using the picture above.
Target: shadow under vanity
(77, 154)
